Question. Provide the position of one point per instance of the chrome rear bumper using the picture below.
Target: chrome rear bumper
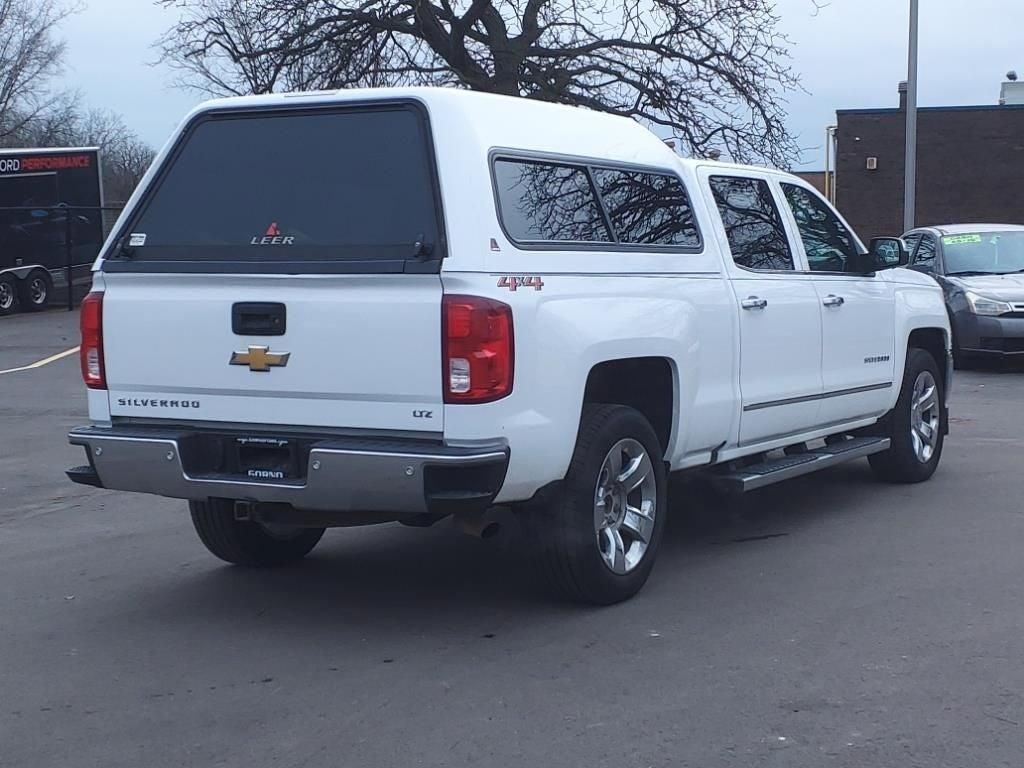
(335, 474)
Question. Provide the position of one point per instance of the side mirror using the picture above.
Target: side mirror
(888, 253)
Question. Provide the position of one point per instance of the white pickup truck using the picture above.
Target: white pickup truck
(335, 309)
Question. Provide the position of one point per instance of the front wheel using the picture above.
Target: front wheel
(244, 542)
(917, 426)
(597, 540)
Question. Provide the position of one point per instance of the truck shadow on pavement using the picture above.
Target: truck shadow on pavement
(393, 578)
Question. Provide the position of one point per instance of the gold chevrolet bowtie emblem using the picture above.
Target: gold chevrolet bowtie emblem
(260, 359)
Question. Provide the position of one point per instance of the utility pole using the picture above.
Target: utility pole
(910, 181)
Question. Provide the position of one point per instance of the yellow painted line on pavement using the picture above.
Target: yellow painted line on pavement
(41, 363)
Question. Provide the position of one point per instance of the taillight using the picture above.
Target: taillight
(477, 349)
(91, 353)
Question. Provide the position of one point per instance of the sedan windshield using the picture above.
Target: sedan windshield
(996, 253)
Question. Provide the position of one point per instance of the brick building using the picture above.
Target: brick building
(970, 165)
(816, 179)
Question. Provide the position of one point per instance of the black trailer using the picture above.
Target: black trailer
(51, 223)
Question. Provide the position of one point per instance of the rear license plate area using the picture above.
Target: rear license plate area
(263, 458)
(256, 458)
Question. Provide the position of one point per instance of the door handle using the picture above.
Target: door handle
(833, 301)
(754, 302)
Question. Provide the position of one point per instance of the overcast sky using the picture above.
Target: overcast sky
(851, 53)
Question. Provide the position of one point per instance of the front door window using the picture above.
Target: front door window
(827, 241)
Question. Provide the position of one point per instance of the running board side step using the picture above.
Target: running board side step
(754, 476)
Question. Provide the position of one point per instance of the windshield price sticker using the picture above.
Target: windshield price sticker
(961, 239)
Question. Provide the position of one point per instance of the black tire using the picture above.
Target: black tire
(962, 361)
(9, 295)
(36, 290)
(242, 542)
(563, 533)
(966, 361)
(902, 463)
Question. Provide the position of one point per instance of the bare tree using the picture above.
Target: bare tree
(125, 156)
(30, 56)
(713, 73)
(33, 113)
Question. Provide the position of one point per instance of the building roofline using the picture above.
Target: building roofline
(896, 110)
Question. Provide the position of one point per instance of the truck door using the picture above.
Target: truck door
(857, 312)
(780, 324)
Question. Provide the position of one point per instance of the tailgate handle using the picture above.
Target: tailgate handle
(258, 318)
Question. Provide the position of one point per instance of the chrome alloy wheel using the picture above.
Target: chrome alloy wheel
(6, 295)
(37, 291)
(625, 503)
(924, 417)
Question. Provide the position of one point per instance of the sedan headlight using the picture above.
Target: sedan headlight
(982, 305)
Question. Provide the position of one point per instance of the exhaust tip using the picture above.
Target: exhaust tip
(478, 526)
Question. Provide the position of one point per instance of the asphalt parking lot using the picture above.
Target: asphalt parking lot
(829, 621)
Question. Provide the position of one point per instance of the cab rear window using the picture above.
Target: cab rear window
(541, 202)
(345, 185)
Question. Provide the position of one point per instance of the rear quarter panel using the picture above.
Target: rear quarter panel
(580, 320)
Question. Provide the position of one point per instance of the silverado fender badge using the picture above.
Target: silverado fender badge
(260, 359)
(515, 282)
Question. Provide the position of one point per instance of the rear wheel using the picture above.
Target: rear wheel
(597, 540)
(8, 295)
(36, 290)
(916, 423)
(244, 542)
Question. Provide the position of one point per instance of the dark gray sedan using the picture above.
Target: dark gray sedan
(981, 270)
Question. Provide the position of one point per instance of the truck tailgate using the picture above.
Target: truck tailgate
(358, 351)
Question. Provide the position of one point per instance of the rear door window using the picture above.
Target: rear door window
(757, 237)
(354, 184)
(548, 202)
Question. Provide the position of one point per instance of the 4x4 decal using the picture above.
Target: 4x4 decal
(515, 282)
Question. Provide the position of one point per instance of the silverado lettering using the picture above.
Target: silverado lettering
(132, 402)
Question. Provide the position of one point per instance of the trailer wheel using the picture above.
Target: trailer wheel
(8, 295)
(36, 290)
